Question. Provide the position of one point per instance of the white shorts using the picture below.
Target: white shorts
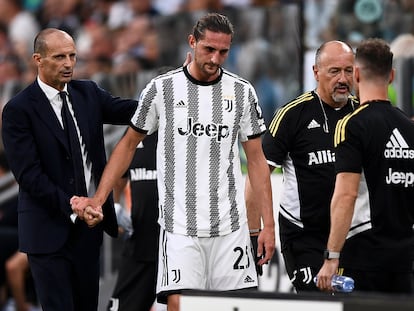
(220, 263)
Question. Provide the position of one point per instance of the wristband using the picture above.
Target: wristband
(331, 255)
(252, 231)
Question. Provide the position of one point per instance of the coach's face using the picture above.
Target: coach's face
(334, 74)
(210, 52)
(55, 67)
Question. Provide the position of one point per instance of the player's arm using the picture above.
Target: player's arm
(254, 221)
(259, 197)
(253, 213)
(342, 209)
(118, 163)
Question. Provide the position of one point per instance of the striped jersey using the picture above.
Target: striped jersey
(377, 141)
(300, 140)
(200, 125)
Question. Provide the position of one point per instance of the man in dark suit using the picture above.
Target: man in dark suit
(63, 245)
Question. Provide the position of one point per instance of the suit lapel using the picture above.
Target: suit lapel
(46, 113)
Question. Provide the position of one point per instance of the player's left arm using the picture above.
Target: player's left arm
(260, 192)
(342, 210)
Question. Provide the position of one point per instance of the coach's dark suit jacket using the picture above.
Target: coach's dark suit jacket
(38, 152)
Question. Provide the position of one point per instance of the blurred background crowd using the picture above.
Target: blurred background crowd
(121, 42)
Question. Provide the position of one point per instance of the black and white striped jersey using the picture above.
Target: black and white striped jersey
(200, 124)
(300, 140)
(377, 140)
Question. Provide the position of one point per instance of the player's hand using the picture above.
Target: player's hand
(93, 216)
(79, 205)
(259, 268)
(266, 244)
(326, 273)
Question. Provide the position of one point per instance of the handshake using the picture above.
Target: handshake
(83, 208)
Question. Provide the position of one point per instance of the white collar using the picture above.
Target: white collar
(49, 91)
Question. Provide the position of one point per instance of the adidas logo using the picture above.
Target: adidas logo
(313, 124)
(397, 147)
(181, 104)
(396, 140)
(248, 279)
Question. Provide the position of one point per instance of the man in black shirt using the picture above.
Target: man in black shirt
(374, 151)
(300, 140)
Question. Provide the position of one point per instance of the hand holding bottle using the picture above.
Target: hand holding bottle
(340, 283)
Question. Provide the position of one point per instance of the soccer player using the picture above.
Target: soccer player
(201, 112)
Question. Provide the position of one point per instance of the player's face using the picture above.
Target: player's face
(335, 80)
(210, 53)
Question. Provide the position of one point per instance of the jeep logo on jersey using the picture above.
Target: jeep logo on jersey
(218, 131)
(321, 157)
(400, 178)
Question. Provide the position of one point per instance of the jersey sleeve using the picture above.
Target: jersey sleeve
(348, 146)
(279, 137)
(252, 123)
(145, 118)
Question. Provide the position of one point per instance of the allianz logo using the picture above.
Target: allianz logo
(197, 129)
(397, 147)
(321, 157)
(138, 174)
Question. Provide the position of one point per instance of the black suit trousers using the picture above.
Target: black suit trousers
(68, 280)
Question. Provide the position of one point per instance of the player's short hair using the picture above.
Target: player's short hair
(214, 22)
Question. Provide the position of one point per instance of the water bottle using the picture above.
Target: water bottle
(340, 283)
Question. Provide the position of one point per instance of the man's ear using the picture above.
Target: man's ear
(392, 76)
(315, 73)
(36, 57)
(191, 41)
(356, 74)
